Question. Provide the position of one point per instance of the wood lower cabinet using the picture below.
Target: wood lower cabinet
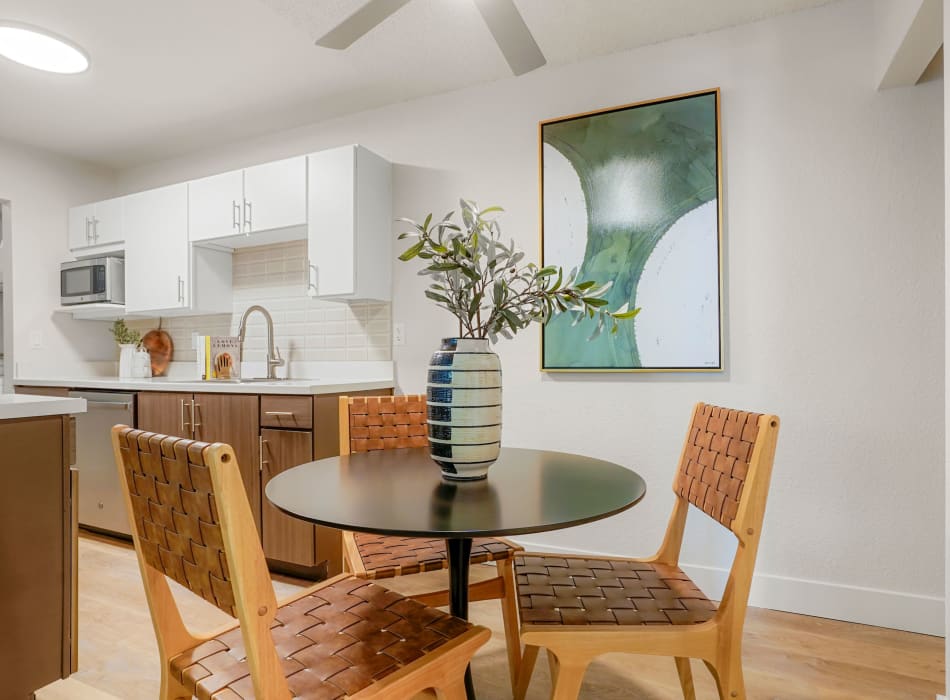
(38, 583)
(228, 418)
(165, 413)
(286, 538)
(269, 434)
(233, 419)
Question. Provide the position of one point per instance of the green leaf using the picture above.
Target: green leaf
(413, 251)
(489, 210)
(444, 267)
(437, 297)
(428, 221)
(626, 314)
(594, 301)
(584, 286)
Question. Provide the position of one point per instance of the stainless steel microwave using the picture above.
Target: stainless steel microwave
(92, 280)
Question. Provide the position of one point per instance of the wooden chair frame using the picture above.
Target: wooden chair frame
(256, 604)
(501, 587)
(718, 642)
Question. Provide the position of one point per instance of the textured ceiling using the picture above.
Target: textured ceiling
(174, 76)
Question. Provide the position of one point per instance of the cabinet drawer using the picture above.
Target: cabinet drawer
(287, 412)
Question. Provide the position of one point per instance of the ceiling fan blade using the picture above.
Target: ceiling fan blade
(512, 35)
(359, 23)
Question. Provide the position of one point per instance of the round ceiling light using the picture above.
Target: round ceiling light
(40, 49)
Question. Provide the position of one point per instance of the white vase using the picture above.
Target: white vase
(463, 396)
(126, 360)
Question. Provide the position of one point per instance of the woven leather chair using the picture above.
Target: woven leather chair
(579, 608)
(394, 422)
(345, 637)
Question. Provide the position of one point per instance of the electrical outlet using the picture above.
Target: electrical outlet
(399, 334)
(36, 339)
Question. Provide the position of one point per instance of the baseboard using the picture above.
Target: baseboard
(868, 606)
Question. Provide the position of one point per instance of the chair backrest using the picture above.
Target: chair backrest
(191, 522)
(382, 423)
(725, 470)
(716, 461)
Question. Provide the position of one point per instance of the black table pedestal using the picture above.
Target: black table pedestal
(460, 555)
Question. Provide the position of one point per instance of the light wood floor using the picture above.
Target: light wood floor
(786, 656)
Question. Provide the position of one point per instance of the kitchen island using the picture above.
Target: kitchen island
(38, 554)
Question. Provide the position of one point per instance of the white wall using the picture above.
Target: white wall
(833, 287)
(41, 187)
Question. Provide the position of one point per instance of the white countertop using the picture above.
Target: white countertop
(26, 406)
(330, 385)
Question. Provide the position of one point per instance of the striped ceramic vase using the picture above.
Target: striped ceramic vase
(464, 408)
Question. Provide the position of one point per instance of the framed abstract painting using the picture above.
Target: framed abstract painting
(633, 194)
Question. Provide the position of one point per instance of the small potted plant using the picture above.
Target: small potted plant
(128, 341)
(488, 287)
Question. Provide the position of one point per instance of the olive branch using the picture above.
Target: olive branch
(486, 285)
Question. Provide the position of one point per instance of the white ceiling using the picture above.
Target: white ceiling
(173, 76)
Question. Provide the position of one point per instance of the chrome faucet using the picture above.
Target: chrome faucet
(274, 360)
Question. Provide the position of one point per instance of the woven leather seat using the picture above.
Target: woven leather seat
(557, 591)
(332, 644)
(385, 556)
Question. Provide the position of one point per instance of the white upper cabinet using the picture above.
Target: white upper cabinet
(164, 274)
(349, 224)
(156, 255)
(97, 228)
(275, 195)
(227, 209)
(215, 206)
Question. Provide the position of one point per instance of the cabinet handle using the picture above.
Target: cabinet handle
(312, 279)
(260, 447)
(183, 422)
(248, 211)
(194, 415)
(278, 413)
(95, 230)
(181, 290)
(88, 235)
(235, 215)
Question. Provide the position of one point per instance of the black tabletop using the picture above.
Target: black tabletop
(402, 492)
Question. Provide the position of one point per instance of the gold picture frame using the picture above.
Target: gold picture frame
(633, 194)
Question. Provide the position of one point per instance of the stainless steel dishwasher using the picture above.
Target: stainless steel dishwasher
(101, 504)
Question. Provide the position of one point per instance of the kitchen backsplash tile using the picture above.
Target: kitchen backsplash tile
(305, 330)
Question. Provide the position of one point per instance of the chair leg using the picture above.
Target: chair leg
(509, 613)
(567, 675)
(172, 689)
(524, 671)
(685, 673)
(729, 679)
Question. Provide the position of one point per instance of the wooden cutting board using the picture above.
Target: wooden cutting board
(160, 350)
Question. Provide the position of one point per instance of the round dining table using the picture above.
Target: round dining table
(402, 492)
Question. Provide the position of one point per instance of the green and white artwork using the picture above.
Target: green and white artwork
(632, 194)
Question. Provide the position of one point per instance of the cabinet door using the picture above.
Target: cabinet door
(107, 222)
(165, 413)
(234, 419)
(157, 254)
(215, 206)
(285, 538)
(330, 232)
(276, 195)
(80, 226)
